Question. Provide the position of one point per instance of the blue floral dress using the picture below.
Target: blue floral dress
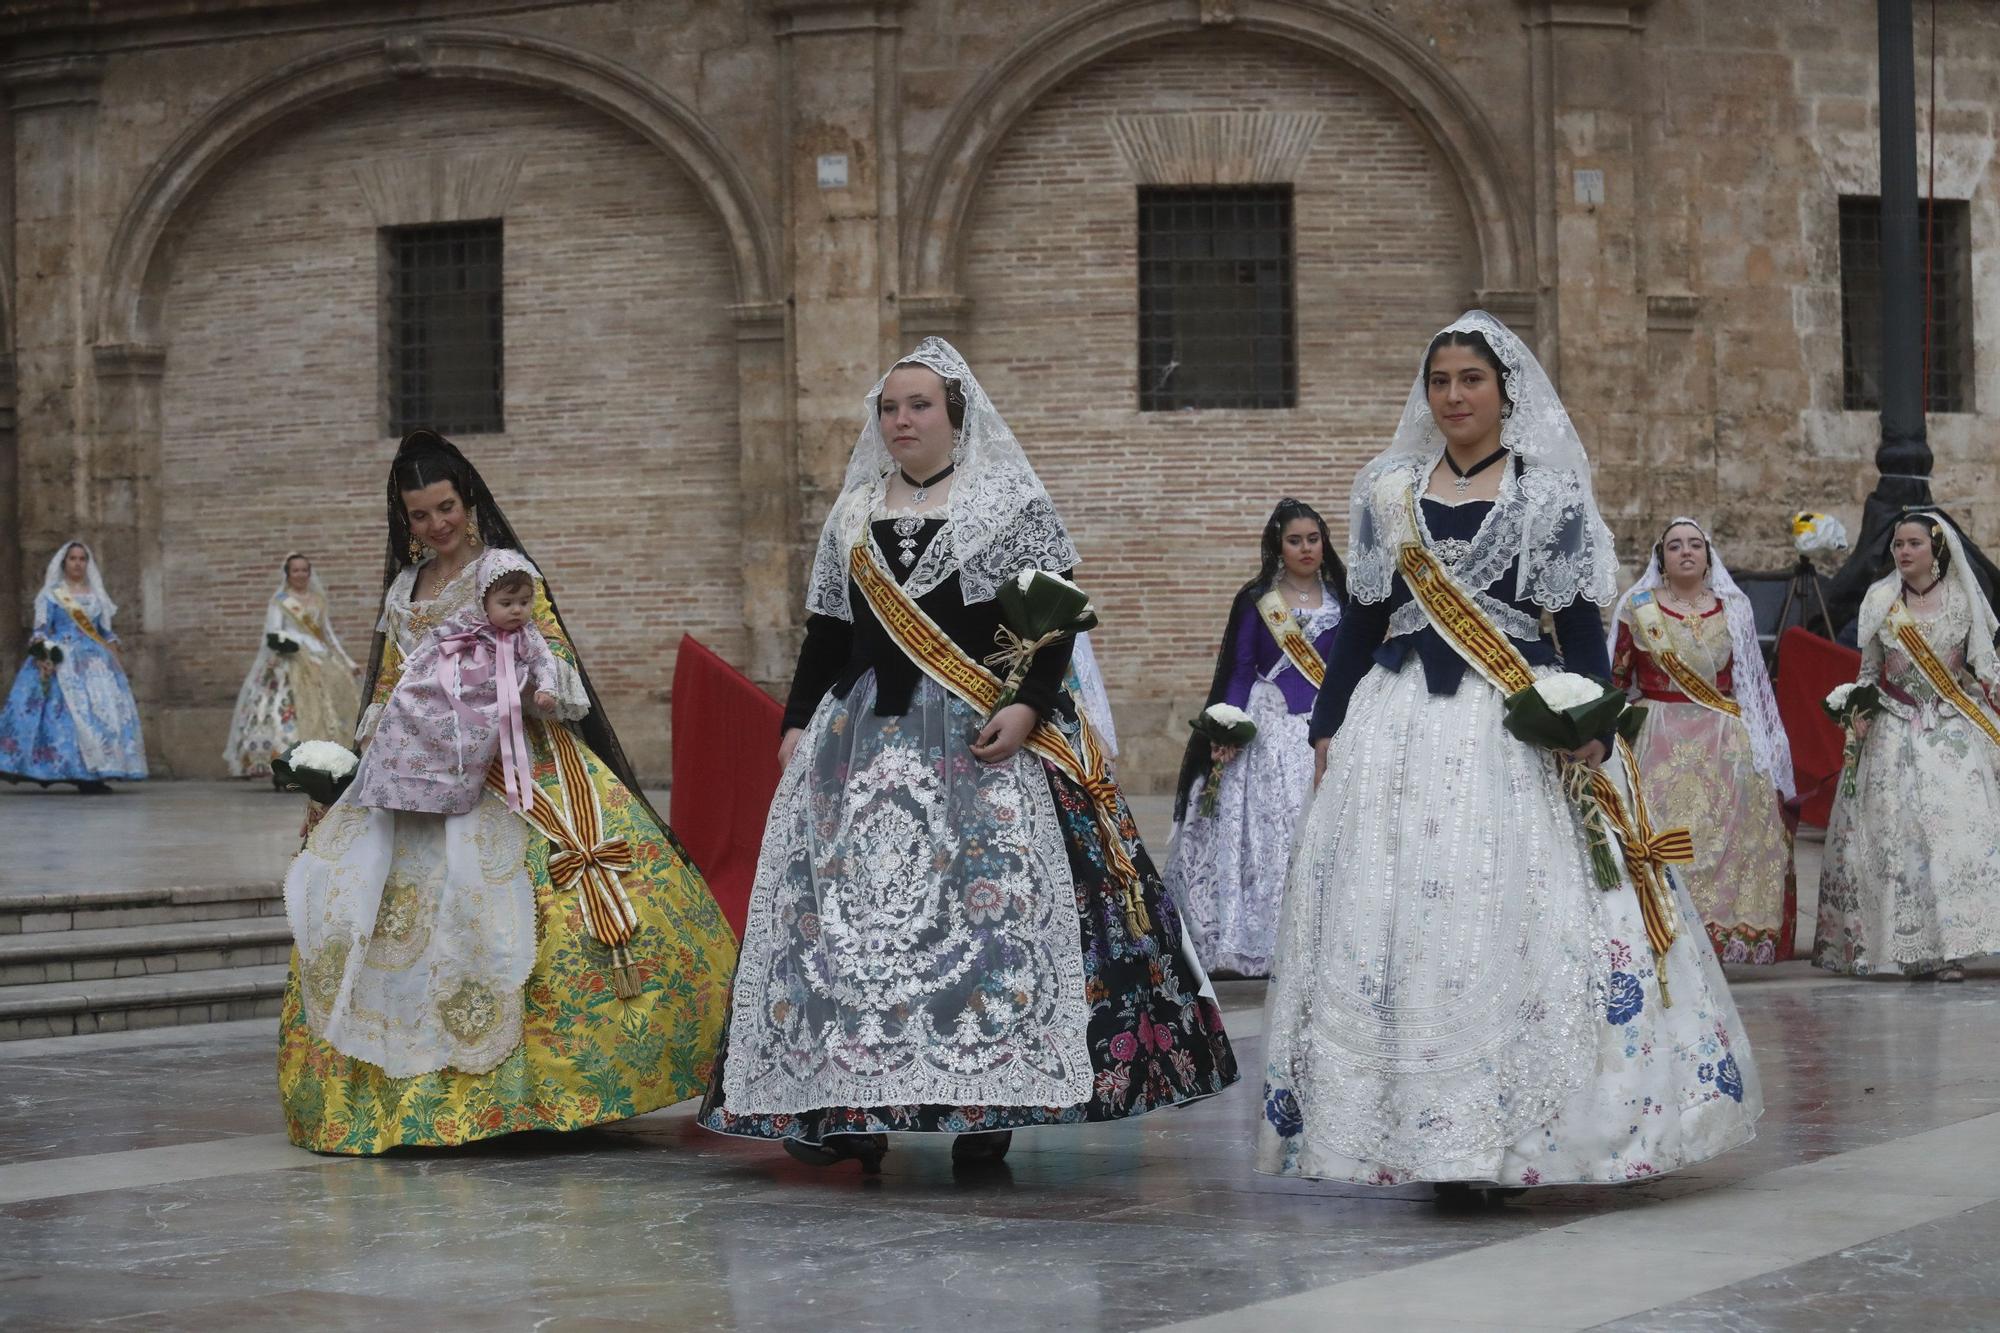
(79, 724)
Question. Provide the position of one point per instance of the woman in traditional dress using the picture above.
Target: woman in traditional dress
(1227, 870)
(304, 690)
(70, 716)
(1713, 754)
(1457, 1000)
(458, 977)
(954, 928)
(1912, 878)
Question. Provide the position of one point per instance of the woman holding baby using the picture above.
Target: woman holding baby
(495, 931)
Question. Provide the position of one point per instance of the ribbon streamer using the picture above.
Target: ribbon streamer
(473, 657)
(583, 859)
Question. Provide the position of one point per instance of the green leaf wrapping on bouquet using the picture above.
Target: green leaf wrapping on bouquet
(1217, 731)
(1862, 701)
(1047, 605)
(1036, 609)
(316, 783)
(1528, 717)
(1630, 723)
(278, 643)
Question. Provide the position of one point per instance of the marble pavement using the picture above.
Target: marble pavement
(145, 1183)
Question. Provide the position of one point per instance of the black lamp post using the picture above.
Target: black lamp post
(1903, 458)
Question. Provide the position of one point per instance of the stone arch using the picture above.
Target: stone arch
(139, 262)
(990, 109)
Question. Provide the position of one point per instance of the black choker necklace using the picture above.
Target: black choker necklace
(1464, 475)
(921, 489)
(1914, 592)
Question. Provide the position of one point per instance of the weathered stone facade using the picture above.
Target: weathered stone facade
(190, 372)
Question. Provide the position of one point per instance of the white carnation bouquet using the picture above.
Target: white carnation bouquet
(1220, 724)
(320, 769)
(1564, 712)
(1846, 705)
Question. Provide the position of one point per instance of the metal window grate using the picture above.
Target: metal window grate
(443, 327)
(1949, 389)
(1216, 326)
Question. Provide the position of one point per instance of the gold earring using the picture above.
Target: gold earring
(416, 551)
(472, 530)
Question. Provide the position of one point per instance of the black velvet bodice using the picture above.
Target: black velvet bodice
(837, 652)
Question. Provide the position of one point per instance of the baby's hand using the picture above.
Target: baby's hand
(545, 701)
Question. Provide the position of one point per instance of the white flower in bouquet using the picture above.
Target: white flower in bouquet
(1566, 690)
(1225, 715)
(1836, 699)
(328, 757)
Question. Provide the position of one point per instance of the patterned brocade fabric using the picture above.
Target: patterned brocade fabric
(584, 1056)
(1700, 773)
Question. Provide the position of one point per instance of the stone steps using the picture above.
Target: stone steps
(38, 912)
(60, 1008)
(137, 951)
(107, 960)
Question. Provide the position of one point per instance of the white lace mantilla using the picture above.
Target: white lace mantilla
(1543, 517)
(1002, 520)
(1546, 517)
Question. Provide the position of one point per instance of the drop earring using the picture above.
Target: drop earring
(416, 551)
(472, 530)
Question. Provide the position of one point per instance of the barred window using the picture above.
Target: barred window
(1950, 381)
(1216, 326)
(442, 327)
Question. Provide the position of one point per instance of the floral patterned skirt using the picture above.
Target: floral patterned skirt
(585, 1056)
(288, 698)
(886, 836)
(1700, 774)
(1912, 877)
(1227, 870)
(1455, 997)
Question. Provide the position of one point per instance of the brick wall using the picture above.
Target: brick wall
(1167, 507)
(618, 465)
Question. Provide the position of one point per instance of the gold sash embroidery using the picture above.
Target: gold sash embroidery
(582, 858)
(297, 610)
(1651, 622)
(934, 653)
(1911, 636)
(1292, 640)
(1645, 850)
(77, 614)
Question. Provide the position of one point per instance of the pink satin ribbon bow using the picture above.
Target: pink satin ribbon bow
(473, 657)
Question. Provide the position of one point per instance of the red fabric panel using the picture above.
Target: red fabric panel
(1808, 668)
(725, 772)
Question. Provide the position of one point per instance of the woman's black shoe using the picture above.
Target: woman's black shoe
(866, 1149)
(981, 1149)
(93, 789)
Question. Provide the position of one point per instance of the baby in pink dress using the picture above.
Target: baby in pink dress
(458, 703)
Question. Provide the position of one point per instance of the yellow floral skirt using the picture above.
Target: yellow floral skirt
(586, 1056)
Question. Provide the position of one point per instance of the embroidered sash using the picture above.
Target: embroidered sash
(1911, 636)
(298, 611)
(77, 614)
(934, 653)
(582, 858)
(1645, 850)
(1292, 640)
(1656, 641)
